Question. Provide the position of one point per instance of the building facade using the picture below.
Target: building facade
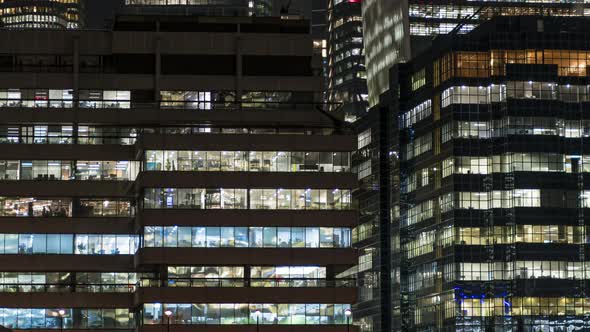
(493, 199)
(319, 31)
(347, 85)
(156, 182)
(374, 163)
(427, 18)
(397, 30)
(44, 14)
(394, 32)
(200, 7)
(346, 93)
(385, 26)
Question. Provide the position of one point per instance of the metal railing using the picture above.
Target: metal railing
(67, 288)
(237, 106)
(35, 103)
(176, 283)
(261, 282)
(165, 105)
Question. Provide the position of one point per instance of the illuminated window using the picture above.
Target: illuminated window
(364, 138)
(419, 79)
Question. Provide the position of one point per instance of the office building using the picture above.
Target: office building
(199, 7)
(373, 162)
(442, 17)
(347, 94)
(493, 198)
(45, 14)
(394, 32)
(347, 85)
(397, 30)
(319, 31)
(385, 26)
(319, 16)
(157, 182)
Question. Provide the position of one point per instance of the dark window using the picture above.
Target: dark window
(90, 63)
(121, 25)
(142, 96)
(6, 63)
(275, 28)
(129, 64)
(257, 65)
(39, 63)
(198, 65)
(197, 27)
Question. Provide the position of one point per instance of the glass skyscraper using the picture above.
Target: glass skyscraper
(394, 32)
(347, 84)
(493, 198)
(42, 14)
(392, 26)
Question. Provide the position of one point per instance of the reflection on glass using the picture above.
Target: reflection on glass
(66, 282)
(78, 318)
(252, 237)
(260, 199)
(78, 244)
(57, 207)
(31, 207)
(63, 170)
(243, 313)
(253, 161)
